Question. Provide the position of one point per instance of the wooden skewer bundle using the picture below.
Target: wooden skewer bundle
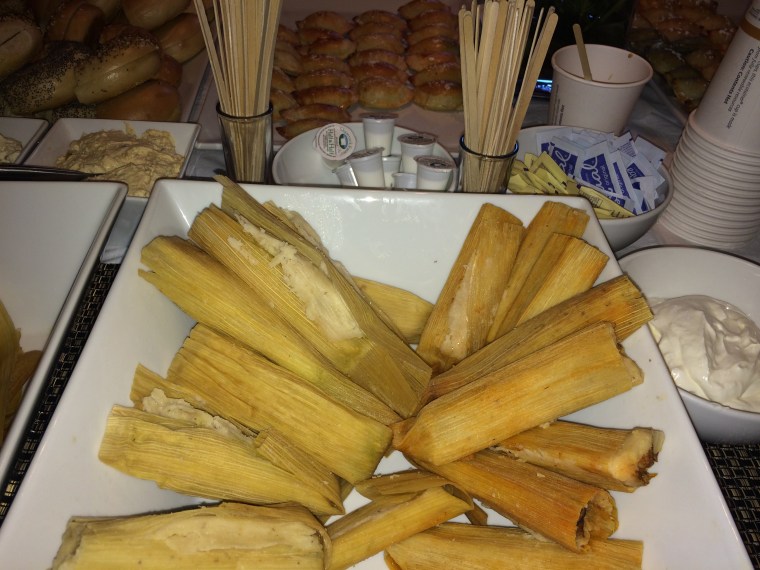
(240, 49)
(494, 43)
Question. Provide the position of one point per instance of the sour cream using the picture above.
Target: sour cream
(712, 349)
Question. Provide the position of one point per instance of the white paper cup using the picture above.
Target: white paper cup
(434, 172)
(605, 102)
(391, 165)
(730, 107)
(413, 145)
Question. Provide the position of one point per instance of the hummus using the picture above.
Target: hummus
(123, 156)
(9, 150)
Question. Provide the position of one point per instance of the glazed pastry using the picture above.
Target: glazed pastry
(386, 94)
(342, 97)
(323, 78)
(439, 95)
(378, 55)
(379, 69)
(316, 111)
(316, 61)
(295, 128)
(327, 20)
(387, 42)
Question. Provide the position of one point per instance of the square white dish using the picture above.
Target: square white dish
(26, 131)
(51, 234)
(56, 141)
(408, 239)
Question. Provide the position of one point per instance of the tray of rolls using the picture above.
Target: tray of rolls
(105, 59)
(337, 61)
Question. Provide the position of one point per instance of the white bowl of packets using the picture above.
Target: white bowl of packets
(706, 316)
(414, 161)
(623, 176)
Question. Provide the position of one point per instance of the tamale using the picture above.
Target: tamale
(225, 536)
(228, 380)
(204, 457)
(411, 481)
(617, 301)
(469, 547)
(408, 312)
(9, 351)
(565, 266)
(579, 370)
(390, 518)
(210, 293)
(467, 303)
(401, 376)
(552, 217)
(556, 507)
(614, 459)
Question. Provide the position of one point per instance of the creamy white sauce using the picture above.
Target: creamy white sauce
(711, 347)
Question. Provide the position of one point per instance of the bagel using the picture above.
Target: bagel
(118, 66)
(76, 21)
(48, 82)
(181, 37)
(20, 42)
(153, 100)
(383, 93)
(150, 14)
(439, 95)
(327, 20)
(110, 8)
(170, 71)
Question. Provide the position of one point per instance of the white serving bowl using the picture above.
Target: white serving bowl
(298, 163)
(668, 272)
(24, 130)
(620, 232)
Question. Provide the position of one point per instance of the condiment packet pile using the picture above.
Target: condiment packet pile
(619, 175)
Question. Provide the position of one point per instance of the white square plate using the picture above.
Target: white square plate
(56, 141)
(26, 131)
(51, 234)
(407, 239)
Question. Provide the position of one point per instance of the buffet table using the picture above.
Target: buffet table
(737, 468)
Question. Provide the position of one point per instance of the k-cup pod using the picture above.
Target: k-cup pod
(345, 173)
(335, 143)
(434, 172)
(367, 165)
(391, 165)
(604, 102)
(412, 145)
(378, 130)
(404, 180)
(729, 111)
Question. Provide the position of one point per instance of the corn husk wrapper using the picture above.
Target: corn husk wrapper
(392, 517)
(565, 267)
(401, 375)
(617, 301)
(469, 547)
(556, 507)
(467, 303)
(580, 370)
(225, 536)
(614, 459)
(9, 351)
(207, 291)
(408, 312)
(205, 457)
(225, 379)
(552, 217)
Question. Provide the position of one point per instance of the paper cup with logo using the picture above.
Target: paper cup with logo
(729, 111)
(606, 101)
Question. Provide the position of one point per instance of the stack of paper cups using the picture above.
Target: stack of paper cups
(715, 173)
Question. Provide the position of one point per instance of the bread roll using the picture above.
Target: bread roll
(323, 78)
(316, 111)
(76, 21)
(385, 94)
(375, 28)
(316, 61)
(298, 127)
(414, 8)
(327, 20)
(339, 96)
(419, 61)
(448, 71)
(364, 71)
(43, 10)
(181, 37)
(387, 42)
(434, 18)
(110, 8)
(339, 47)
(170, 71)
(383, 17)
(377, 55)
(150, 14)
(152, 100)
(439, 95)
(436, 30)
(118, 66)
(20, 41)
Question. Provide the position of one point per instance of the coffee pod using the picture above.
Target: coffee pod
(729, 111)
(334, 142)
(413, 145)
(367, 165)
(378, 130)
(434, 172)
(345, 174)
(404, 181)
(391, 165)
